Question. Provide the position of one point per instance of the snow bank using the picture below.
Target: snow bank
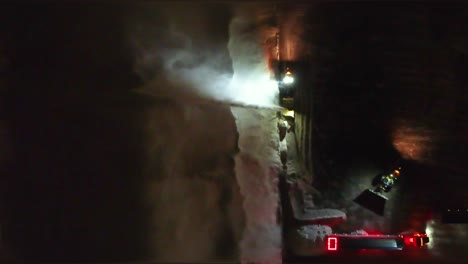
(192, 194)
(313, 232)
(257, 166)
(319, 214)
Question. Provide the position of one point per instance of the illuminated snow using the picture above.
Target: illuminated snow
(251, 82)
(313, 232)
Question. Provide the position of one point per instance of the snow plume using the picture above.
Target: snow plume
(251, 82)
(180, 48)
(192, 57)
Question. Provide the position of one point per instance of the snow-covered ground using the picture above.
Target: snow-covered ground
(314, 232)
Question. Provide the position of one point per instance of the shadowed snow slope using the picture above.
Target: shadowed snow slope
(193, 194)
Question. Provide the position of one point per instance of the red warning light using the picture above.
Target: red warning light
(332, 243)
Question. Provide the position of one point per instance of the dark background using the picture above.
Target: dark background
(375, 69)
(70, 187)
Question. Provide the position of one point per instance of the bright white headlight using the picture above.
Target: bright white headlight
(288, 79)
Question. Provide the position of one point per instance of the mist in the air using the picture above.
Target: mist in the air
(179, 52)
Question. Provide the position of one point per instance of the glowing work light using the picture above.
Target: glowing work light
(288, 78)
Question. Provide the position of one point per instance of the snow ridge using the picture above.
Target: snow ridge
(257, 166)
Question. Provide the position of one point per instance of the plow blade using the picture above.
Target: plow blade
(372, 201)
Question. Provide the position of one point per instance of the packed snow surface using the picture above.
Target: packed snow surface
(313, 232)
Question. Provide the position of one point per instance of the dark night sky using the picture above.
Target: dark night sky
(75, 135)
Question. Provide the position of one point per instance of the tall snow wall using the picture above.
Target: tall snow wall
(184, 64)
(258, 163)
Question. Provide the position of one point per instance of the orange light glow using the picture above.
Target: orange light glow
(412, 142)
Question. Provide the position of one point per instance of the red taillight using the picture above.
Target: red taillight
(332, 243)
(409, 241)
(416, 240)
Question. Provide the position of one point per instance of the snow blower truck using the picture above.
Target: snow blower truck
(373, 199)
